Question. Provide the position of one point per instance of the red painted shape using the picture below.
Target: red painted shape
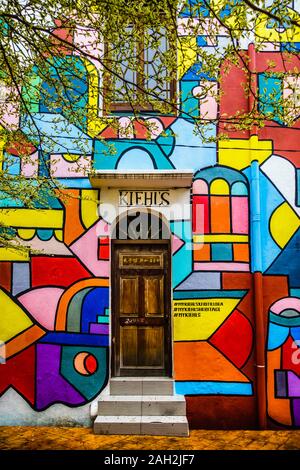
(56, 271)
(234, 338)
(140, 130)
(167, 121)
(291, 356)
(91, 364)
(200, 214)
(5, 275)
(109, 133)
(19, 372)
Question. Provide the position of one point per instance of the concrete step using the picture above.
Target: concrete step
(143, 405)
(141, 386)
(151, 425)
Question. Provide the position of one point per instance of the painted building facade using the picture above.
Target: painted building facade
(232, 209)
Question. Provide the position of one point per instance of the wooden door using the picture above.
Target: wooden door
(141, 309)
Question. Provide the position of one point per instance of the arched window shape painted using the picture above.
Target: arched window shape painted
(140, 225)
(65, 89)
(220, 220)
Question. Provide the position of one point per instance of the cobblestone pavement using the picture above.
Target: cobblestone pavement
(64, 438)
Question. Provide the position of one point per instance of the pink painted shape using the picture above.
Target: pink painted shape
(200, 187)
(42, 303)
(177, 243)
(61, 168)
(293, 384)
(86, 248)
(30, 166)
(208, 105)
(125, 128)
(221, 266)
(156, 127)
(239, 208)
(286, 303)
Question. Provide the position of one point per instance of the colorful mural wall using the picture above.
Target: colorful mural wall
(54, 323)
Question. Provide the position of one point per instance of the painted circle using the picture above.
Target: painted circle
(85, 363)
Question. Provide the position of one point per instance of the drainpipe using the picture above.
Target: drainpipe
(256, 258)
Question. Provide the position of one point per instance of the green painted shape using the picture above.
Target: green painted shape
(102, 319)
(31, 91)
(189, 104)
(87, 385)
(74, 311)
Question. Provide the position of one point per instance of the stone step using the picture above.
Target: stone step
(148, 405)
(151, 425)
(141, 386)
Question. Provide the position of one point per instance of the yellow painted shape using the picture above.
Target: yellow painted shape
(219, 186)
(13, 319)
(94, 123)
(59, 235)
(32, 218)
(2, 143)
(71, 157)
(272, 35)
(26, 233)
(89, 207)
(186, 53)
(230, 238)
(238, 153)
(13, 254)
(283, 224)
(189, 328)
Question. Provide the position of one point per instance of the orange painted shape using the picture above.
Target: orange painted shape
(61, 316)
(241, 252)
(220, 214)
(73, 227)
(21, 342)
(199, 360)
(279, 409)
(202, 252)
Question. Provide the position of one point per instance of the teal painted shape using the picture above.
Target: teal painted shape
(102, 319)
(213, 388)
(106, 311)
(284, 321)
(108, 157)
(189, 104)
(74, 311)
(182, 260)
(87, 385)
(216, 172)
(11, 164)
(239, 189)
(270, 95)
(277, 335)
(75, 183)
(166, 142)
(209, 294)
(7, 201)
(221, 252)
(44, 234)
(295, 293)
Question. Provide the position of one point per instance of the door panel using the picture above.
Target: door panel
(141, 309)
(129, 302)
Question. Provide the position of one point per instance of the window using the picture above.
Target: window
(140, 71)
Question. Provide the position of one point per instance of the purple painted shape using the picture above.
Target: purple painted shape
(99, 329)
(294, 385)
(296, 409)
(281, 383)
(51, 386)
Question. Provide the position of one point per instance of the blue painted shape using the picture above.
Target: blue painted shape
(216, 172)
(239, 189)
(182, 262)
(270, 199)
(44, 234)
(76, 183)
(20, 277)
(94, 303)
(277, 335)
(59, 135)
(213, 388)
(221, 252)
(290, 46)
(135, 158)
(270, 93)
(201, 41)
(295, 333)
(189, 104)
(75, 339)
(195, 73)
(209, 294)
(11, 164)
(287, 262)
(255, 226)
(105, 160)
(195, 8)
(191, 151)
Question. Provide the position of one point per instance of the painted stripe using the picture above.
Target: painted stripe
(213, 388)
(76, 339)
(209, 294)
(32, 218)
(221, 238)
(221, 266)
(11, 254)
